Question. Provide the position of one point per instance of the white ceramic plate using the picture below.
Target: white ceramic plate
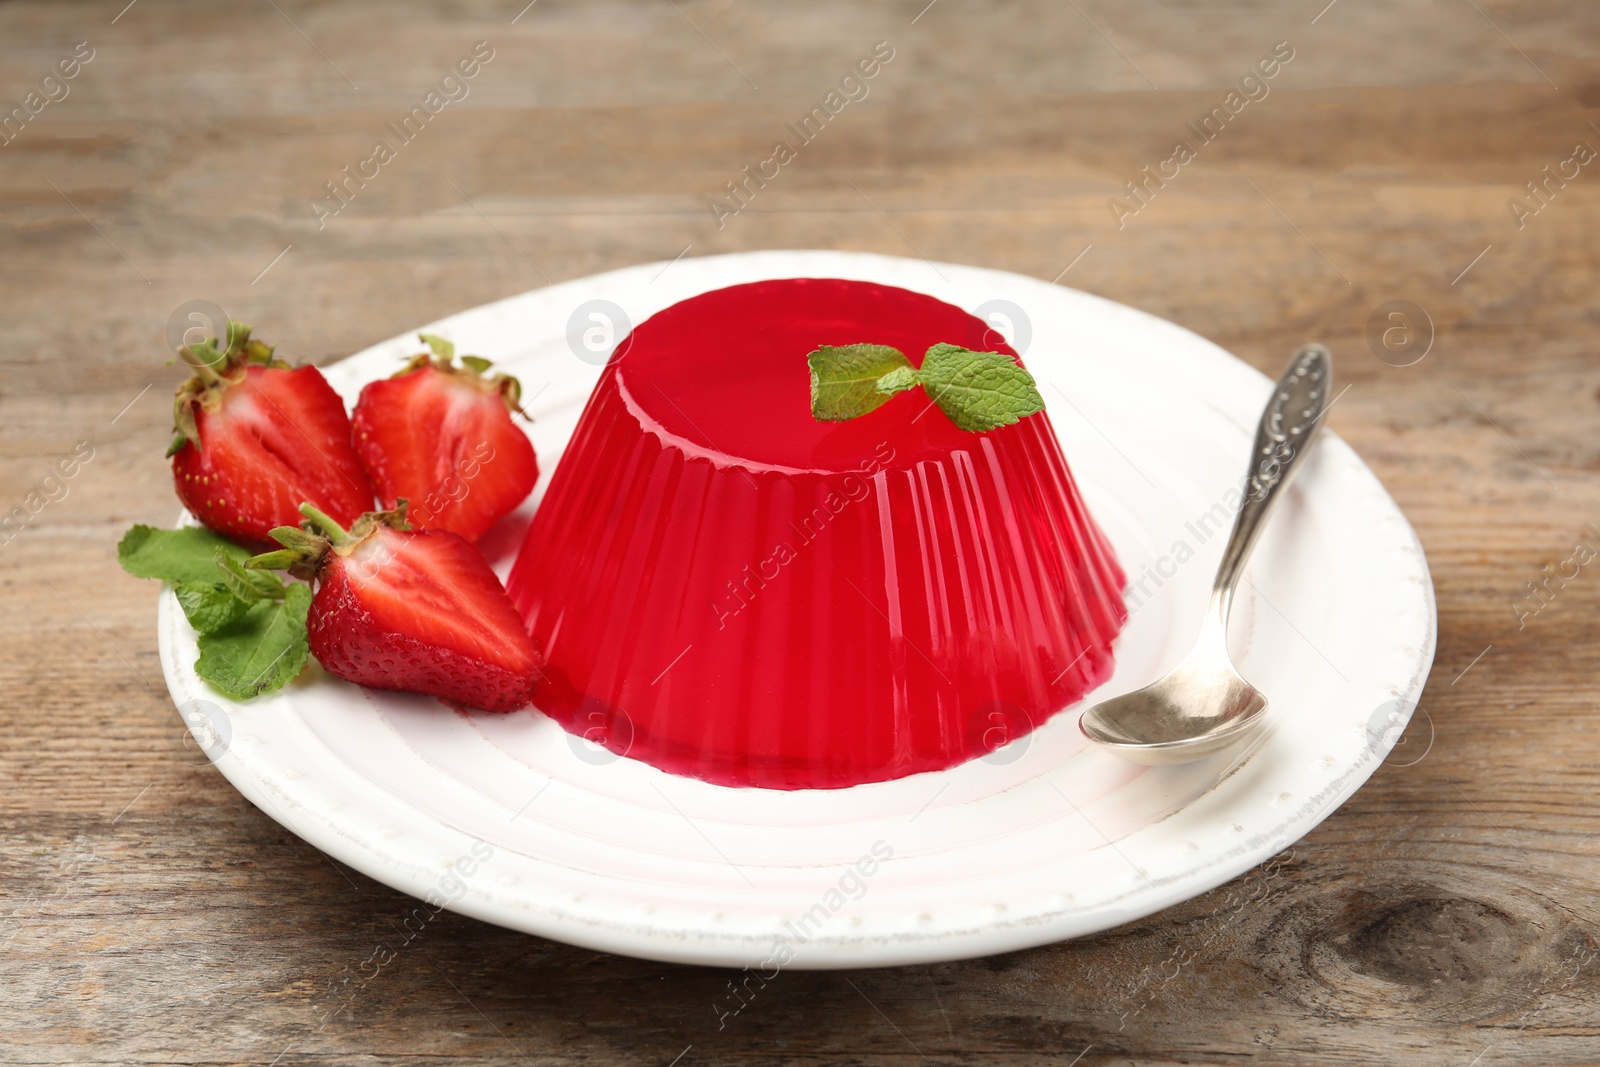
(511, 820)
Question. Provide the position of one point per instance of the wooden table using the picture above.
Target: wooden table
(1445, 915)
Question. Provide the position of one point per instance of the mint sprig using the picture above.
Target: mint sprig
(978, 391)
(251, 625)
(844, 380)
(187, 554)
(209, 606)
(264, 650)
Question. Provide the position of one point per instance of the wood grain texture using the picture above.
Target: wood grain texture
(1445, 915)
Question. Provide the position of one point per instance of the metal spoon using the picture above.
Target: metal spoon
(1203, 705)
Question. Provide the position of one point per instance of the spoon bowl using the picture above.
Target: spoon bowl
(1202, 706)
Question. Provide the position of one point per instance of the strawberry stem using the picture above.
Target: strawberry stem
(324, 524)
(306, 547)
(203, 367)
(301, 555)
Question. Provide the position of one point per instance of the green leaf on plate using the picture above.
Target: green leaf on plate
(261, 651)
(209, 606)
(252, 627)
(248, 586)
(188, 554)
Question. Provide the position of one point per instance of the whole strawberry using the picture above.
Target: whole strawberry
(418, 611)
(441, 436)
(255, 438)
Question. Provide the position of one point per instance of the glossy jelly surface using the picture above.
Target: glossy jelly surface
(728, 589)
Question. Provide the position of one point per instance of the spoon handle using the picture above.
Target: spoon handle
(1289, 427)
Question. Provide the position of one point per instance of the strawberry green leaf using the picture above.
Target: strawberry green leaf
(188, 554)
(209, 606)
(844, 379)
(476, 364)
(280, 560)
(445, 350)
(978, 390)
(261, 651)
(185, 433)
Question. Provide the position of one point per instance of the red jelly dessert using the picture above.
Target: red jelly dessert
(729, 589)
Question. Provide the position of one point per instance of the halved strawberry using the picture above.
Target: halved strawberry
(255, 438)
(411, 610)
(442, 437)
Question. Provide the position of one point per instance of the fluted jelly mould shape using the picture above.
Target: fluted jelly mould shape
(728, 589)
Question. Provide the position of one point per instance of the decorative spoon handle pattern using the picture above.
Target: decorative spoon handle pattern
(1288, 428)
